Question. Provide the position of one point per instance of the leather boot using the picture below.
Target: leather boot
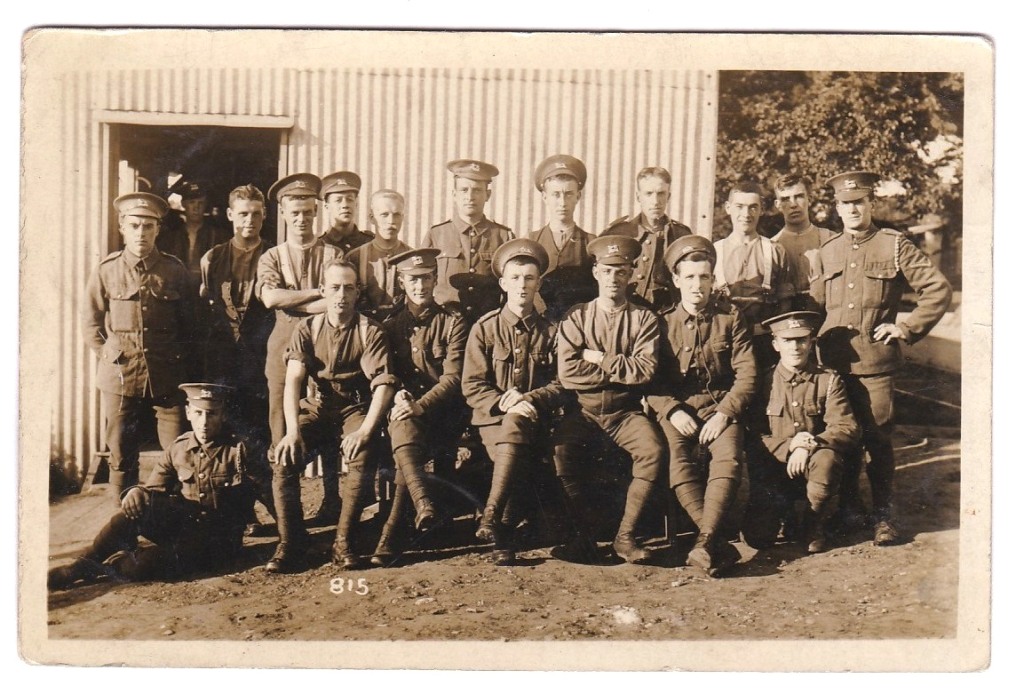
(814, 531)
(581, 548)
(351, 508)
(503, 554)
(393, 535)
(81, 569)
(488, 524)
(625, 544)
(290, 551)
(504, 460)
(711, 555)
(410, 460)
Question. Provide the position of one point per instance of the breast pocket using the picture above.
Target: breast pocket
(189, 483)
(721, 355)
(227, 473)
(878, 279)
(162, 309)
(125, 311)
(502, 360)
(449, 264)
(832, 276)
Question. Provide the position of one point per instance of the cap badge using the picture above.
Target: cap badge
(417, 260)
(301, 184)
(560, 165)
(850, 183)
(474, 167)
(613, 248)
(794, 323)
(145, 203)
(206, 394)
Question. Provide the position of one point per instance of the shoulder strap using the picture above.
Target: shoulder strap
(766, 251)
(285, 258)
(720, 263)
(318, 325)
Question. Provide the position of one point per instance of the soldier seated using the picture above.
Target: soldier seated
(426, 419)
(510, 382)
(193, 507)
(607, 355)
(811, 428)
(706, 381)
(347, 361)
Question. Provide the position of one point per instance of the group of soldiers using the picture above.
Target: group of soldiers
(705, 364)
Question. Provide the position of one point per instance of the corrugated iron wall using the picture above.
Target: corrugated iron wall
(397, 128)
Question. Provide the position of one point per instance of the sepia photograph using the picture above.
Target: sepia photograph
(440, 354)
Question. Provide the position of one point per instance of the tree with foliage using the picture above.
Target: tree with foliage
(907, 127)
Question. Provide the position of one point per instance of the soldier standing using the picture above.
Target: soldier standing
(866, 271)
(801, 240)
(190, 240)
(707, 377)
(607, 355)
(569, 279)
(811, 429)
(235, 352)
(467, 243)
(193, 507)
(340, 193)
(650, 285)
(428, 343)
(288, 279)
(346, 359)
(751, 270)
(139, 318)
(378, 278)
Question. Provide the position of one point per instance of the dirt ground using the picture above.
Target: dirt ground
(451, 591)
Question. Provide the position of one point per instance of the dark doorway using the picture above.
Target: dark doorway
(219, 157)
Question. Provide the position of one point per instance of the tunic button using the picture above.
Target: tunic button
(639, 277)
(853, 264)
(648, 241)
(472, 269)
(856, 246)
(202, 495)
(796, 404)
(145, 349)
(415, 349)
(850, 285)
(473, 250)
(689, 349)
(690, 326)
(849, 327)
(646, 258)
(202, 475)
(849, 306)
(472, 288)
(518, 350)
(469, 308)
(516, 370)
